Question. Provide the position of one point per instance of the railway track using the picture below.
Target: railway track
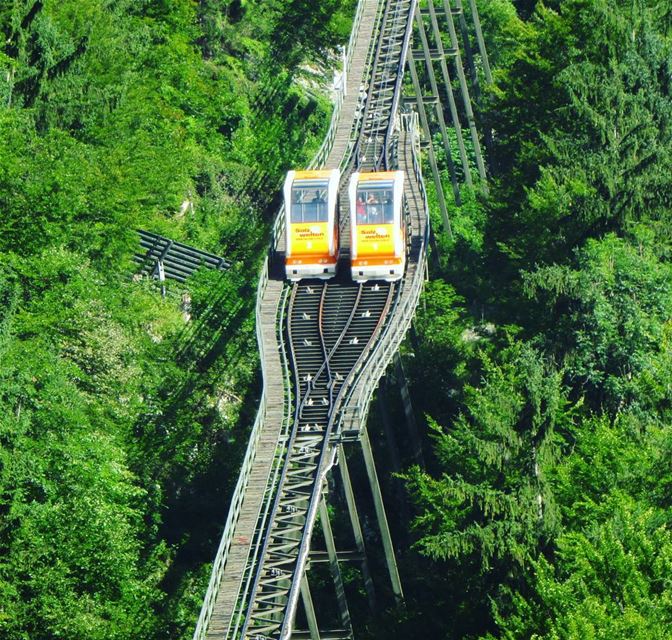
(331, 328)
(326, 332)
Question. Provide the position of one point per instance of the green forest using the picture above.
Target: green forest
(122, 426)
(539, 364)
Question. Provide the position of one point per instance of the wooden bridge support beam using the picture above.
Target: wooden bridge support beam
(429, 64)
(485, 62)
(439, 108)
(336, 575)
(468, 51)
(388, 431)
(381, 516)
(356, 526)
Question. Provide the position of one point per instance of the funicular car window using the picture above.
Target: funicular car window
(374, 204)
(309, 201)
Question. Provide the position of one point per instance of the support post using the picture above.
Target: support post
(432, 157)
(487, 133)
(481, 41)
(356, 527)
(466, 98)
(395, 459)
(408, 411)
(309, 608)
(397, 491)
(341, 600)
(439, 109)
(162, 277)
(449, 92)
(390, 557)
(468, 53)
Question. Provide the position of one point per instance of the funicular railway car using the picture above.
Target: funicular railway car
(311, 199)
(378, 235)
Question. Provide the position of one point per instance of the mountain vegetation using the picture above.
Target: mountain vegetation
(542, 362)
(542, 350)
(121, 427)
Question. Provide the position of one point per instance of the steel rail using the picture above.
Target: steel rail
(279, 601)
(300, 423)
(326, 463)
(369, 103)
(385, 88)
(278, 227)
(329, 354)
(400, 72)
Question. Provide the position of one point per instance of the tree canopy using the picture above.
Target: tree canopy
(122, 425)
(545, 337)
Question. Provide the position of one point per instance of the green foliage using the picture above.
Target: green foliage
(121, 424)
(8, 299)
(605, 583)
(495, 501)
(616, 307)
(607, 574)
(543, 354)
(72, 564)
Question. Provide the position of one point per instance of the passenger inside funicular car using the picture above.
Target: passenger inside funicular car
(306, 208)
(374, 205)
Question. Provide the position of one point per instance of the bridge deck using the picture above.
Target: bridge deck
(353, 416)
(268, 441)
(356, 83)
(239, 552)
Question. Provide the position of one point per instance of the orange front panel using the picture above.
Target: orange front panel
(311, 260)
(312, 175)
(373, 176)
(376, 262)
(310, 239)
(375, 240)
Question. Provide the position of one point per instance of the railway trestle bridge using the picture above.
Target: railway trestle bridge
(324, 346)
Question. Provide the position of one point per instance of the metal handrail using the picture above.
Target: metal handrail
(239, 491)
(400, 71)
(393, 336)
(248, 461)
(359, 113)
(278, 458)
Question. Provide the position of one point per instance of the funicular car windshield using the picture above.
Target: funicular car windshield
(309, 201)
(374, 203)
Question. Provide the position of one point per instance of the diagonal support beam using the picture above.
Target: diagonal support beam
(356, 526)
(481, 40)
(468, 51)
(309, 609)
(466, 98)
(341, 600)
(432, 156)
(439, 108)
(379, 506)
(449, 92)
(411, 424)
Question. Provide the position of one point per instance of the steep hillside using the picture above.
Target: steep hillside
(121, 426)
